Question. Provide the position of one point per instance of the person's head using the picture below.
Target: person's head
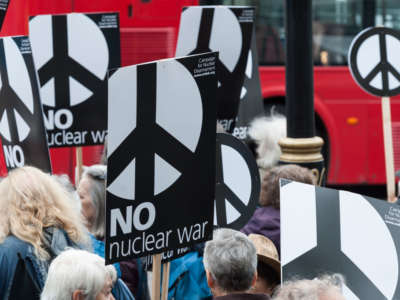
(92, 192)
(270, 195)
(79, 275)
(328, 287)
(31, 201)
(230, 261)
(268, 265)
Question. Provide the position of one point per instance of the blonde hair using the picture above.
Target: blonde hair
(31, 201)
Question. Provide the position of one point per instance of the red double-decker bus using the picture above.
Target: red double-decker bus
(347, 118)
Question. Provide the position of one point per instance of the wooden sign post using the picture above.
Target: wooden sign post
(388, 145)
(373, 67)
(156, 277)
(79, 165)
(165, 281)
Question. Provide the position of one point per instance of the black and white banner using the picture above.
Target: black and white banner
(21, 119)
(227, 30)
(329, 231)
(161, 156)
(72, 54)
(3, 11)
(238, 183)
(251, 105)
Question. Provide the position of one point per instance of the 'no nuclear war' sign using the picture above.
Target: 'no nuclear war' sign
(329, 231)
(72, 55)
(227, 30)
(21, 118)
(161, 156)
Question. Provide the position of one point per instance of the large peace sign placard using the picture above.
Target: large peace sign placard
(238, 183)
(22, 130)
(226, 30)
(72, 54)
(161, 158)
(374, 61)
(329, 231)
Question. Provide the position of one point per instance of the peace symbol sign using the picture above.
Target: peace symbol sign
(145, 142)
(374, 62)
(204, 30)
(238, 183)
(335, 250)
(69, 72)
(16, 106)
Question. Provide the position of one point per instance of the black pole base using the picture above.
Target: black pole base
(305, 152)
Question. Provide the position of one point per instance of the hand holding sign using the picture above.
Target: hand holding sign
(375, 65)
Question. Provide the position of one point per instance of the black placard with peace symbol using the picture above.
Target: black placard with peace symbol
(3, 11)
(238, 183)
(347, 233)
(227, 30)
(72, 55)
(161, 158)
(251, 105)
(22, 130)
(374, 63)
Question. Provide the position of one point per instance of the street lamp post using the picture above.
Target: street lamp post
(301, 146)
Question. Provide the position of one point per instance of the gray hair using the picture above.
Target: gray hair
(76, 270)
(231, 259)
(306, 289)
(97, 175)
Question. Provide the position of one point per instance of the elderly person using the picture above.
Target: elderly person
(323, 288)
(78, 274)
(266, 218)
(230, 261)
(92, 192)
(37, 222)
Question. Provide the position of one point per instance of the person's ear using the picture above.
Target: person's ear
(77, 295)
(210, 280)
(255, 276)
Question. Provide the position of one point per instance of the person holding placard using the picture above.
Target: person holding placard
(92, 191)
(266, 218)
(230, 260)
(37, 222)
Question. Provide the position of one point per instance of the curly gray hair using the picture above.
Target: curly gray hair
(306, 289)
(231, 260)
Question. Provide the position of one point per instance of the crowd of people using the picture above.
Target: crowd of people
(52, 246)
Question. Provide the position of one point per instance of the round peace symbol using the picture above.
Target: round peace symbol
(68, 75)
(237, 183)
(374, 63)
(141, 114)
(16, 107)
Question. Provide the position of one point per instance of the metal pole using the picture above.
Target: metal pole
(301, 146)
(299, 70)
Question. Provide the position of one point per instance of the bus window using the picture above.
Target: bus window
(335, 23)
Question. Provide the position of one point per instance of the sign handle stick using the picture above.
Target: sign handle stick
(165, 281)
(79, 165)
(155, 285)
(388, 144)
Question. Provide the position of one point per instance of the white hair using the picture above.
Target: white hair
(231, 259)
(306, 289)
(266, 132)
(76, 270)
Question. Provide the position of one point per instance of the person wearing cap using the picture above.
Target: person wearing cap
(230, 261)
(268, 265)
